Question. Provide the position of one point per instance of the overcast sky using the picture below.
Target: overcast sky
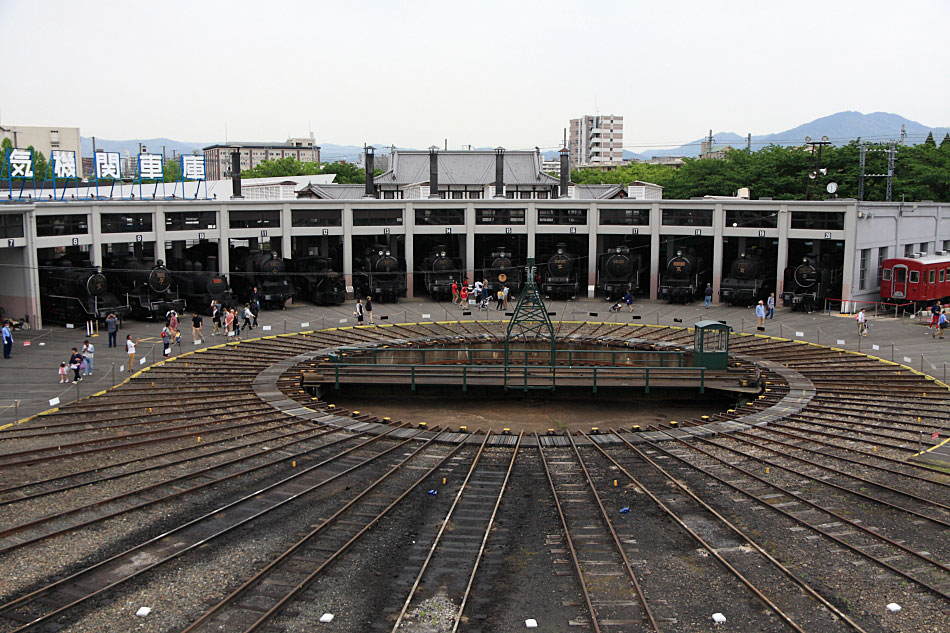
(483, 73)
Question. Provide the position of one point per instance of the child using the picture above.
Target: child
(62, 373)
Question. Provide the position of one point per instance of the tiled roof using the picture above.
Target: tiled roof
(465, 168)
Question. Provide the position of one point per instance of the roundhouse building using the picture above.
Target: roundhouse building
(469, 204)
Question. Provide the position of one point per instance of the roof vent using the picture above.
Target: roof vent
(941, 253)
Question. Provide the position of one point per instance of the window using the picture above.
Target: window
(914, 276)
(253, 219)
(925, 247)
(69, 224)
(687, 217)
(881, 256)
(126, 222)
(751, 219)
(377, 217)
(946, 245)
(499, 216)
(190, 220)
(440, 216)
(624, 217)
(908, 250)
(863, 269)
(562, 216)
(941, 275)
(818, 221)
(11, 225)
(932, 276)
(886, 274)
(316, 217)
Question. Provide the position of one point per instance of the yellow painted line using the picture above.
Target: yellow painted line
(217, 346)
(270, 337)
(99, 393)
(6, 426)
(943, 443)
(306, 332)
(48, 411)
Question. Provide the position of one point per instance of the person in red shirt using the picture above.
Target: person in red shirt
(455, 292)
(463, 297)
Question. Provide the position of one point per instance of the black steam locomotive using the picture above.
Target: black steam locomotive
(746, 282)
(560, 275)
(382, 275)
(265, 271)
(75, 293)
(501, 270)
(441, 271)
(619, 272)
(198, 279)
(317, 281)
(682, 281)
(807, 284)
(147, 290)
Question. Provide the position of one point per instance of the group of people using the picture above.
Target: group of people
(938, 320)
(81, 362)
(480, 294)
(765, 309)
(227, 320)
(364, 311)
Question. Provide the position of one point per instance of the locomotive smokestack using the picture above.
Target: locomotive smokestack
(370, 191)
(565, 171)
(433, 172)
(499, 172)
(236, 174)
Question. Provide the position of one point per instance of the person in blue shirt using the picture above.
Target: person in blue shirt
(7, 339)
(628, 299)
(760, 313)
(770, 304)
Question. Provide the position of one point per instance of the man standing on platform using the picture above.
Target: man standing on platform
(770, 304)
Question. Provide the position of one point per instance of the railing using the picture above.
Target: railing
(424, 355)
(519, 376)
(851, 306)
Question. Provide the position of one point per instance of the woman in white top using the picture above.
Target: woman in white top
(130, 348)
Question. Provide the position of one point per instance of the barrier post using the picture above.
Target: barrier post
(112, 373)
(285, 326)
(16, 403)
(646, 380)
(464, 378)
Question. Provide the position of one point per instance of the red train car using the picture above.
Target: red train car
(922, 280)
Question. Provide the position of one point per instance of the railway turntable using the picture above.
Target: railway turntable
(224, 492)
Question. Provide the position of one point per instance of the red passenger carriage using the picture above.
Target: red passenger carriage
(921, 280)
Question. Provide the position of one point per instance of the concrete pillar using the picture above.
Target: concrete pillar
(409, 222)
(348, 247)
(470, 242)
(95, 235)
(593, 221)
(783, 220)
(531, 222)
(34, 309)
(719, 219)
(286, 250)
(158, 227)
(850, 259)
(224, 243)
(654, 250)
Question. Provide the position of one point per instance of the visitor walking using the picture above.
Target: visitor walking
(507, 292)
(862, 320)
(248, 317)
(760, 313)
(369, 310)
(130, 349)
(173, 322)
(112, 328)
(88, 355)
(229, 324)
(707, 299)
(75, 363)
(358, 313)
(478, 291)
(196, 323)
(215, 317)
(455, 292)
(941, 324)
(463, 297)
(770, 304)
(62, 373)
(166, 340)
(500, 296)
(628, 299)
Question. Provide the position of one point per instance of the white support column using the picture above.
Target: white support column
(531, 221)
(850, 260)
(285, 224)
(781, 262)
(654, 250)
(348, 247)
(470, 242)
(593, 221)
(32, 280)
(409, 222)
(719, 221)
(95, 235)
(158, 227)
(224, 243)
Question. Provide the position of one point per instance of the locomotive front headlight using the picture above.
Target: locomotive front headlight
(387, 253)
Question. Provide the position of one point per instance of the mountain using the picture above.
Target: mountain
(132, 146)
(840, 128)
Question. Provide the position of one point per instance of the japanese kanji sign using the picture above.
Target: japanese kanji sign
(108, 165)
(64, 164)
(150, 166)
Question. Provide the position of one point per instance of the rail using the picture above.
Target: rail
(666, 358)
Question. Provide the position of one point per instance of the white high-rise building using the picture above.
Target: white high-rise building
(596, 140)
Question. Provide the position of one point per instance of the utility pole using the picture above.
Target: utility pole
(891, 163)
(817, 170)
(862, 158)
(903, 133)
(748, 142)
(889, 174)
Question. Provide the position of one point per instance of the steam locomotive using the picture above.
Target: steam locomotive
(318, 282)
(681, 283)
(807, 285)
(560, 276)
(440, 272)
(501, 270)
(619, 272)
(382, 275)
(198, 279)
(746, 282)
(73, 293)
(146, 289)
(265, 271)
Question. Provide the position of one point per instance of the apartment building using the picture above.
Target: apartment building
(596, 140)
(218, 156)
(45, 139)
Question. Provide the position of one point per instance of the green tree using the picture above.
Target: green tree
(346, 173)
(930, 139)
(40, 166)
(5, 146)
(945, 141)
(172, 170)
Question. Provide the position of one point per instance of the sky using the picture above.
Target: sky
(489, 73)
